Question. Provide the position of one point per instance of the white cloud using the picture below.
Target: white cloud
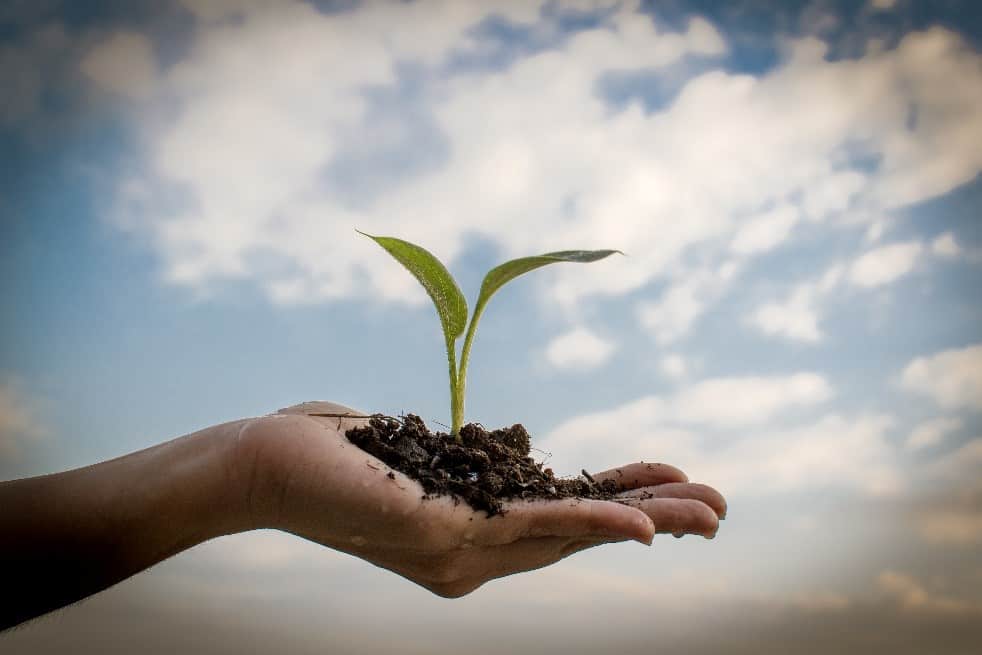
(124, 64)
(740, 461)
(674, 313)
(945, 246)
(671, 316)
(885, 264)
(579, 349)
(875, 231)
(238, 182)
(931, 433)
(953, 378)
(706, 429)
(763, 233)
(797, 316)
(20, 423)
(673, 365)
(747, 400)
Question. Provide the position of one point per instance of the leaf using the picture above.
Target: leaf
(435, 278)
(498, 276)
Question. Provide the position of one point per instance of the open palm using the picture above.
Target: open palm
(311, 481)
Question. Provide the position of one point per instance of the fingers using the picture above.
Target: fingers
(678, 516)
(566, 518)
(692, 490)
(640, 474)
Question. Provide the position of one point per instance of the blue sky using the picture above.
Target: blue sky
(795, 185)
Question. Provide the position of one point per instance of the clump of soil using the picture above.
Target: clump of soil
(482, 469)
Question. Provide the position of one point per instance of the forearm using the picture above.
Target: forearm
(69, 535)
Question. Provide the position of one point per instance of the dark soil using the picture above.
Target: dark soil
(482, 469)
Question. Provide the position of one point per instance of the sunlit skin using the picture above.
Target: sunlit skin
(69, 535)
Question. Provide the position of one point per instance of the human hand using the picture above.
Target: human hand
(308, 479)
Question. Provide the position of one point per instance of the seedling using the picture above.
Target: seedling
(452, 307)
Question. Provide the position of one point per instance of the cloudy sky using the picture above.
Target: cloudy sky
(796, 187)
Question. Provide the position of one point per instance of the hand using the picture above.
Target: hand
(308, 479)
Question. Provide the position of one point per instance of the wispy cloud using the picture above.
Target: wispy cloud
(952, 378)
(239, 180)
(579, 349)
(744, 435)
(885, 264)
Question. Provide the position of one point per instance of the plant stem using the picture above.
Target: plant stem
(456, 392)
(465, 355)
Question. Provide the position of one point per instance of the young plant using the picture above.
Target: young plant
(452, 307)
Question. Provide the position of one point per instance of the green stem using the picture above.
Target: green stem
(465, 353)
(456, 395)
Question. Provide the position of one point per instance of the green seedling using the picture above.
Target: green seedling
(452, 307)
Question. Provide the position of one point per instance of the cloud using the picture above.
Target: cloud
(20, 421)
(673, 365)
(945, 246)
(951, 526)
(579, 349)
(671, 316)
(952, 378)
(797, 316)
(950, 511)
(765, 232)
(882, 5)
(737, 461)
(273, 152)
(884, 264)
(674, 313)
(742, 435)
(747, 400)
(913, 596)
(930, 433)
(124, 64)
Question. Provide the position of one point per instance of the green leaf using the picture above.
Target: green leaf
(435, 278)
(498, 276)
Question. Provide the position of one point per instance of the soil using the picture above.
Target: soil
(482, 469)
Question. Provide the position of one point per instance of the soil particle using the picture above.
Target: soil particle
(483, 469)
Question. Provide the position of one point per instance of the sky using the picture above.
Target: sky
(796, 190)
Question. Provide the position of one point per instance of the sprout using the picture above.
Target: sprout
(452, 307)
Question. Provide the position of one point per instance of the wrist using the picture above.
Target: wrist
(259, 470)
(190, 489)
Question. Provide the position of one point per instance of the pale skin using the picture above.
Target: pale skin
(69, 535)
